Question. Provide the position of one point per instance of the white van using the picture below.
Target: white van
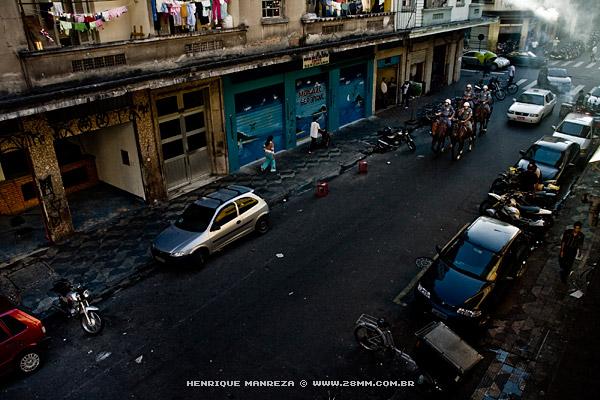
(582, 129)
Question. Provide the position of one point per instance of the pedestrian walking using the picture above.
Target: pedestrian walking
(594, 53)
(511, 74)
(405, 88)
(315, 128)
(383, 87)
(269, 155)
(570, 245)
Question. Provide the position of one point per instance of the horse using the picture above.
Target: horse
(459, 134)
(480, 119)
(439, 129)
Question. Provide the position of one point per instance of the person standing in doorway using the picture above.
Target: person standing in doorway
(405, 89)
(511, 74)
(392, 91)
(383, 87)
(269, 155)
(570, 245)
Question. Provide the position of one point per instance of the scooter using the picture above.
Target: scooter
(74, 301)
(391, 138)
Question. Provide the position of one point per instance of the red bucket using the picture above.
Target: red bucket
(322, 189)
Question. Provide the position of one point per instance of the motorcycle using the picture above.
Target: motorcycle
(509, 181)
(391, 138)
(74, 301)
(508, 210)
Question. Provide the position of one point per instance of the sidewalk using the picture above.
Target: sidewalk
(547, 345)
(115, 254)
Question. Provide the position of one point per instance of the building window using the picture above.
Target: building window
(14, 164)
(460, 3)
(407, 5)
(272, 8)
(125, 157)
(438, 16)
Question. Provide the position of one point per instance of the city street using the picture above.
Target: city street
(282, 306)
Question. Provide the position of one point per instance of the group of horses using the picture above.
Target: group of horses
(459, 132)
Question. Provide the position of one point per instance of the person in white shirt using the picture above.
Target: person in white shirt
(315, 129)
(384, 89)
(511, 73)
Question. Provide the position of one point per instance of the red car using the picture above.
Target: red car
(21, 339)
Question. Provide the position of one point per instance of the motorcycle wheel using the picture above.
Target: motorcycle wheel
(369, 337)
(512, 88)
(485, 205)
(500, 94)
(498, 186)
(96, 323)
(411, 144)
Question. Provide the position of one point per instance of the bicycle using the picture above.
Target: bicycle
(581, 279)
(374, 334)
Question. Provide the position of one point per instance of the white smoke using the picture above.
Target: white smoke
(574, 16)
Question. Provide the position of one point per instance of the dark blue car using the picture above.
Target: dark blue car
(473, 269)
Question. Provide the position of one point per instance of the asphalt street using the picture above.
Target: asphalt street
(282, 306)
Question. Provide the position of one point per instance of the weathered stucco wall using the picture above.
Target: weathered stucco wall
(12, 39)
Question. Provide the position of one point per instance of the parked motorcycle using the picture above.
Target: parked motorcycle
(74, 302)
(507, 209)
(391, 138)
(509, 181)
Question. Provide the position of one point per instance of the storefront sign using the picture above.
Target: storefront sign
(315, 58)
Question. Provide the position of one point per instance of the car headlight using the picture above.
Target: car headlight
(511, 112)
(86, 293)
(179, 254)
(469, 313)
(423, 291)
(534, 115)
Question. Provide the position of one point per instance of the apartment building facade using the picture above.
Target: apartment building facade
(156, 97)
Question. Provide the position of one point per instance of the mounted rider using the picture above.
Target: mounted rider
(446, 112)
(469, 95)
(485, 99)
(465, 114)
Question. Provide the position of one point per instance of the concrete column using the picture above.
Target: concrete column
(428, 67)
(47, 178)
(451, 63)
(233, 9)
(459, 51)
(524, 33)
(154, 186)
(217, 127)
(493, 33)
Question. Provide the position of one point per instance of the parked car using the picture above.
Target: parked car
(525, 59)
(593, 97)
(472, 270)
(531, 106)
(472, 59)
(211, 223)
(582, 129)
(559, 78)
(554, 156)
(22, 339)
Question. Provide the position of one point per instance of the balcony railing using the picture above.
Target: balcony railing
(77, 63)
(324, 29)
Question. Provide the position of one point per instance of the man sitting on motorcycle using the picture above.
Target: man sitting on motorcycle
(464, 116)
(485, 99)
(447, 113)
(469, 95)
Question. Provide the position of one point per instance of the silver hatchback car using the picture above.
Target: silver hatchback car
(209, 224)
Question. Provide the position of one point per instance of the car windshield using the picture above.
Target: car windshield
(195, 218)
(544, 155)
(571, 128)
(595, 91)
(557, 72)
(470, 259)
(531, 99)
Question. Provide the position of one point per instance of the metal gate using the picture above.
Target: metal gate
(183, 136)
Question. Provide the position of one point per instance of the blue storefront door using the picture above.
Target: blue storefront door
(311, 100)
(352, 93)
(259, 113)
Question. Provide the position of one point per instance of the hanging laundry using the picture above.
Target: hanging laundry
(99, 24)
(46, 35)
(65, 26)
(154, 13)
(206, 12)
(224, 8)
(58, 8)
(79, 26)
(175, 12)
(191, 19)
(216, 10)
